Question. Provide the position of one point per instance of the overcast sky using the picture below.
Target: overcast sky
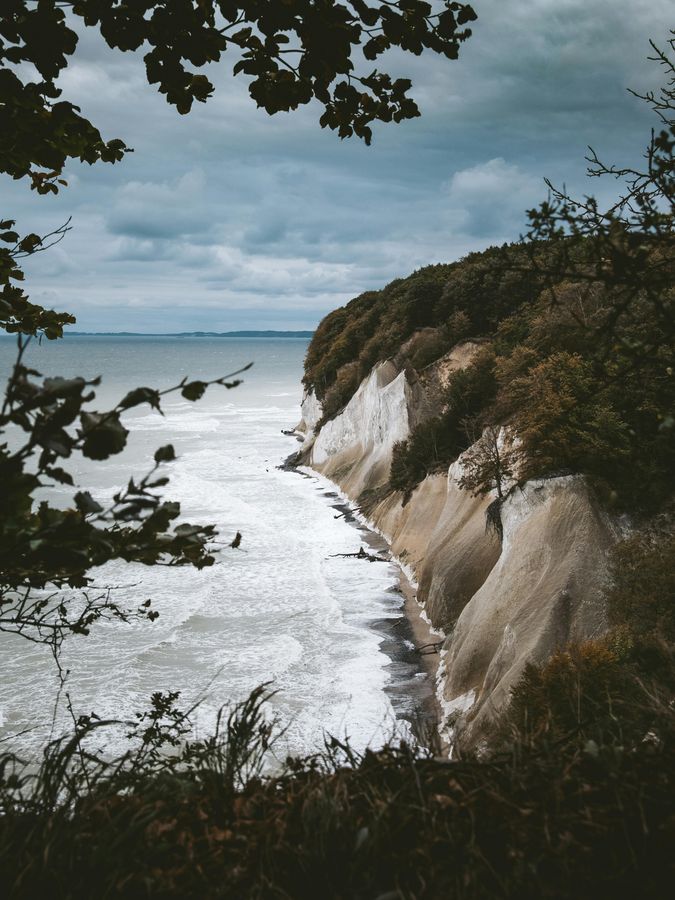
(228, 219)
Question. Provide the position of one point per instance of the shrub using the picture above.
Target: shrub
(612, 691)
(341, 391)
(426, 346)
(563, 422)
(489, 463)
(580, 817)
(643, 591)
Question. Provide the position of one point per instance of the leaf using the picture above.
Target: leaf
(58, 440)
(158, 482)
(187, 530)
(86, 503)
(194, 390)
(140, 395)
(59, 475)
(29, 243)
(165, 454)
(63, 387)
(104, 435)
(466, 14)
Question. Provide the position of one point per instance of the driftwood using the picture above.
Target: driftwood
(362, 555)
(429, 649)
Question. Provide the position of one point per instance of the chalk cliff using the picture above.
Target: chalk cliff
(500, 603)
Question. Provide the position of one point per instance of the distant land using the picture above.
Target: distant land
(209, 334)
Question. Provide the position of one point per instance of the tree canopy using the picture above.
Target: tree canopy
(292, 51)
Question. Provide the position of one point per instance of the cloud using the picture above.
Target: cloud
(229, 218)
(488, 199)
(163, 209)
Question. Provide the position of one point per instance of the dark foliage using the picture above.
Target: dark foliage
(292, 53)
(577, 797)
(574, 406)
(460, 300)
(643, 591)
(579, 317)
(582, 815)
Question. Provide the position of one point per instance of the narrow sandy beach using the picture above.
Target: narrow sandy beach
(422, 636)
(408, 641)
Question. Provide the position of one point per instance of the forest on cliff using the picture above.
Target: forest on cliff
(586, 390)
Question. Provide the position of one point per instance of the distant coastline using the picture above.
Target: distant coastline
(207, 334)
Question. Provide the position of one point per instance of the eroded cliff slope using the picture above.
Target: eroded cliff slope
(501, 601)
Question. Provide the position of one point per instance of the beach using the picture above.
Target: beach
(407, 639)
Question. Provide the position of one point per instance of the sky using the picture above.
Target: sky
(228, 218)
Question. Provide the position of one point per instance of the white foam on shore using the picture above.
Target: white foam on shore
(405, 568)
(280, 608)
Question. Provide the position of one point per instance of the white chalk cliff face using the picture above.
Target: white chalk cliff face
(311, 413)
(501, 604)
(544, 590)
(355, 448)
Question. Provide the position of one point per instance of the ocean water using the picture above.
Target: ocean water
(281, 609)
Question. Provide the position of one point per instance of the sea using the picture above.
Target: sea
(325, 632)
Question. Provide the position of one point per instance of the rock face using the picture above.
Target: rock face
(501, 604)
(544, 590)
(311, 413)
(355, 448)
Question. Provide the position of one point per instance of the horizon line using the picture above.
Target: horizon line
(244, 332)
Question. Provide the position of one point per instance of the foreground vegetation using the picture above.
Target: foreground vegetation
(577, 802)
(576, 796)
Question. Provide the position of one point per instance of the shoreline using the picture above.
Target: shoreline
(423, 634)
(414, 674)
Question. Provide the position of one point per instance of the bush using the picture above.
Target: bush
(340, 392)
(643, 592)
(579, 818)
(613, 691)
(426, 346)
(412, 460)
(562, 421)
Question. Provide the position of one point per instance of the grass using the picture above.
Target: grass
(587, 812)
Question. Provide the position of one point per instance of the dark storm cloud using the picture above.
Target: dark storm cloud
(228, 218)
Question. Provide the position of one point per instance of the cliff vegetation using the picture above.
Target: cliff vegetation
(586, 391)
